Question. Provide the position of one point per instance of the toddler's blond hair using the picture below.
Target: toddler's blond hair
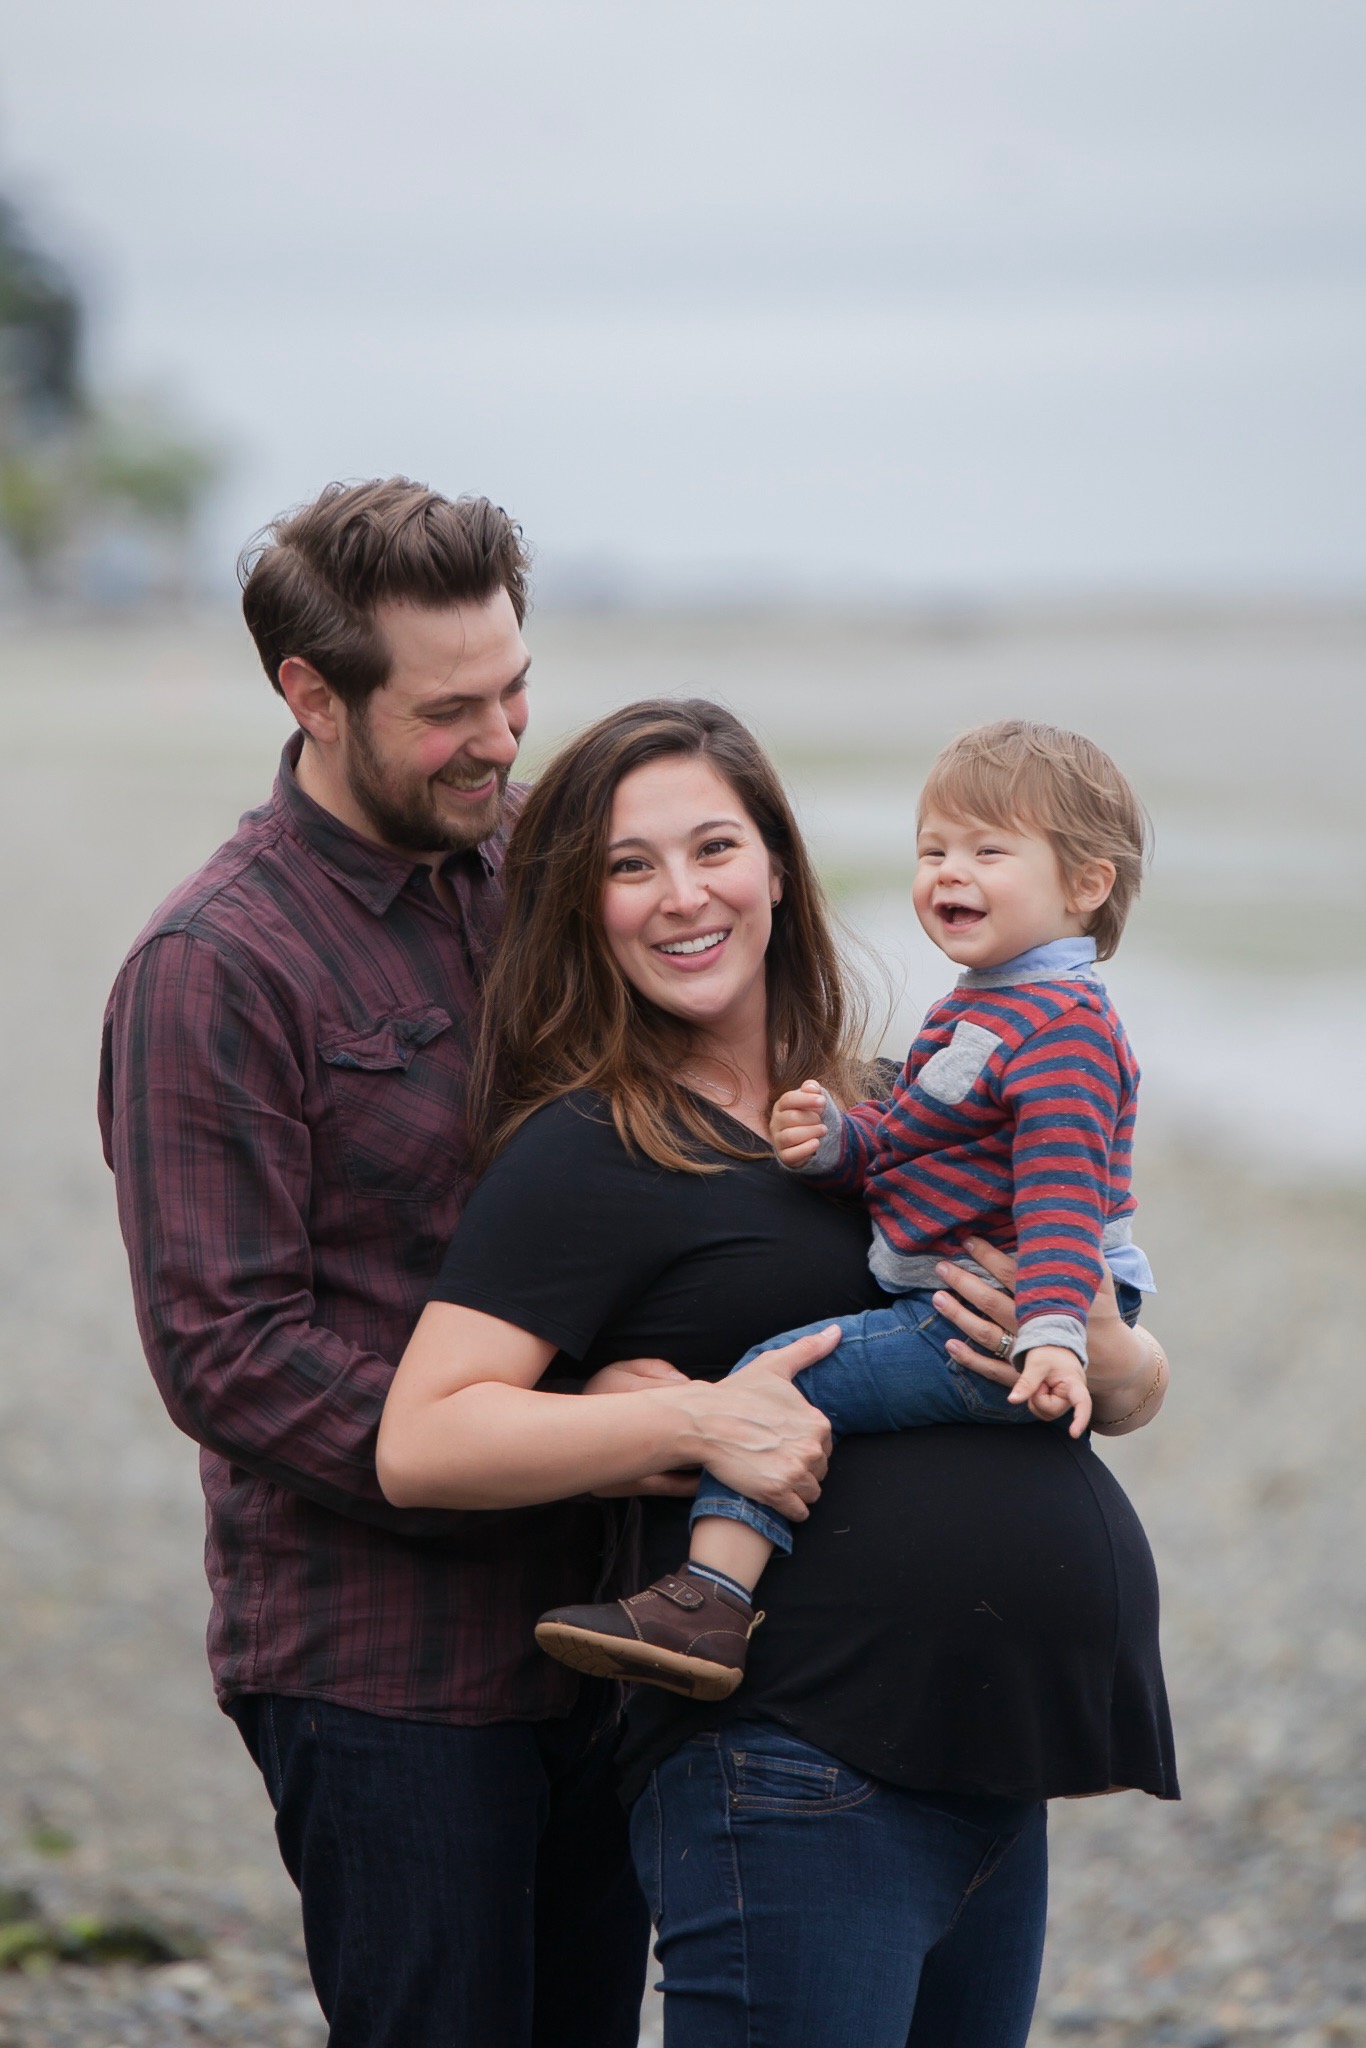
(1040, 778)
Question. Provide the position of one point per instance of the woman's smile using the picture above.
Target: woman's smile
(695, 953)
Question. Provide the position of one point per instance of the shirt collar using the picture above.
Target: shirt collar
(1056, 960)
(373, 874)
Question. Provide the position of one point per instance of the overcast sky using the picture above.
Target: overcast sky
(822, 295)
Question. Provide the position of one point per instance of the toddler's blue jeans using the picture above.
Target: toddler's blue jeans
(891, 1370)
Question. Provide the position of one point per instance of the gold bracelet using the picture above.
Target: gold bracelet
(1113, 1421)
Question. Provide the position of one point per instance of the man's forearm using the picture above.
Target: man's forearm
(1127, 1393)
(300, 1408)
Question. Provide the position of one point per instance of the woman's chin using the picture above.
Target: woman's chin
(707, 1009)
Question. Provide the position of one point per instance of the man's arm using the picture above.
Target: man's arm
(201, 1099)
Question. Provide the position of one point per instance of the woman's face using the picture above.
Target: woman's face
(687, 907)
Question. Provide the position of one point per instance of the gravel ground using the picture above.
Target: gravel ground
(131, 1822)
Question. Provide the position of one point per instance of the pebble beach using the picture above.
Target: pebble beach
(142, 1904)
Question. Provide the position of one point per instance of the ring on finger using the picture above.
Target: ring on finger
(1004, 1348)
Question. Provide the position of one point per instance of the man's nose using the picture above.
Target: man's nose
(496, 740)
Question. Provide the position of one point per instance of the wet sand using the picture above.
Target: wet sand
(1238, 1917)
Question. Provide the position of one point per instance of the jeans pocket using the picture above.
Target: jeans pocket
(768, 1772)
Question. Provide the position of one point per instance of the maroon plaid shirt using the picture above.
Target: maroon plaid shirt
(282, 1102)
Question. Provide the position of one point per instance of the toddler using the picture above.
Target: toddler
(1012, 1121)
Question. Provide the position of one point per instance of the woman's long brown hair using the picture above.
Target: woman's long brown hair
(559, 1014)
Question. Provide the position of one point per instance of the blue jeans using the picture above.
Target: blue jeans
(890, 1371)
(459, 1885)
(800, 1904)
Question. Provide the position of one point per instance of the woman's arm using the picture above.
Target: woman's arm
(1128, 1370)
(464, 1427)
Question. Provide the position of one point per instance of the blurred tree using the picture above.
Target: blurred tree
(40, 325)
(136, 460)
(74, 469)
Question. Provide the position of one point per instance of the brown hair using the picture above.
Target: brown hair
(559, 1014)
(1059, 783)
(312, 579)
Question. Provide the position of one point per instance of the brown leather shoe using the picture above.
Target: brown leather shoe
(681, 1633)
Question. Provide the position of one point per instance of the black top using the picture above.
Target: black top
(969, 1608)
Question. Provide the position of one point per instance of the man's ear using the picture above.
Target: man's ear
(1089, 885)
(311, 699)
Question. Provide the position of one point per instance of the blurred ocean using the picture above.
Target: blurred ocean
(1242, 977)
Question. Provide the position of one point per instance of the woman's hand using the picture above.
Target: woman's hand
(1127, 1373)
(637, 1376)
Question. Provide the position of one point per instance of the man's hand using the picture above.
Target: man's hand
(1052, 1380)
(757, 1433)
(637, 1376)
(797, 1124)
(633, 1376)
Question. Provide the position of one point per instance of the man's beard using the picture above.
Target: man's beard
(406, 814)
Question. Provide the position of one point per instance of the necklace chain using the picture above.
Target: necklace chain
(714, 1088)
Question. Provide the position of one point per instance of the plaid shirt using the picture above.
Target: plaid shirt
(282, 1101)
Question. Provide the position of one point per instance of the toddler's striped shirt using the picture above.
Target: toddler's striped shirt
(1011, 1120)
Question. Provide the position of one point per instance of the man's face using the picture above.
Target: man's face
(426, 758)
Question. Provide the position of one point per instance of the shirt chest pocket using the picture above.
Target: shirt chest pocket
(950, 1074)
(398, 1093)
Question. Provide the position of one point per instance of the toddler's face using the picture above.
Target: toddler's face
(987, 892)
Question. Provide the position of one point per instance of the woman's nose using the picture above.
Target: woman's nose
(684, 893)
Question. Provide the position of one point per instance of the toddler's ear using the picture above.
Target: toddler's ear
(1089, 886)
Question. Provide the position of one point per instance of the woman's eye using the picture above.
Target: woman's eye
(716, 846)
(629, 864)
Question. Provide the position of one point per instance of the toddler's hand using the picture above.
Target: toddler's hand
(797, 1124)
(1052, 1380)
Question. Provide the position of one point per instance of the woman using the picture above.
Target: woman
(852, 1845)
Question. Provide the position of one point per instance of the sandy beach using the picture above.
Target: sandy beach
(130, 1817)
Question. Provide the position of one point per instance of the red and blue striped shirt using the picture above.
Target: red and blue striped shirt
(1011, 1120)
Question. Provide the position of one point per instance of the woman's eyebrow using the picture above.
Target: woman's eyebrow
(708, 825)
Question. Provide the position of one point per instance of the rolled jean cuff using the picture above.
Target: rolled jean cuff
(715, 1499)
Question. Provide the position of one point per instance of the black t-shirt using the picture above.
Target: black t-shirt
(968, 1609)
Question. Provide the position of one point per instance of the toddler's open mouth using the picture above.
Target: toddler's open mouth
(959, 917)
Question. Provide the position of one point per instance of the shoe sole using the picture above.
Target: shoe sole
(603, 1656)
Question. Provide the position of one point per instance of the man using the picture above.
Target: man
(282, 1102)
